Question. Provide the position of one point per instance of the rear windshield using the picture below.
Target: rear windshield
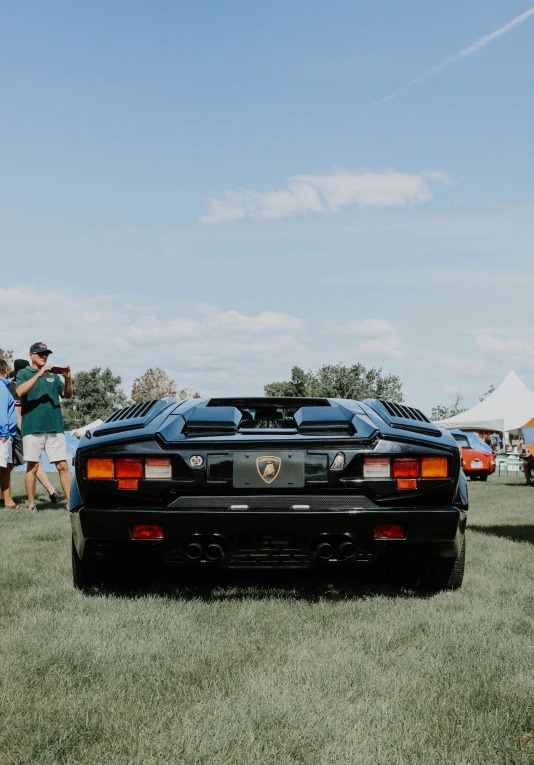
(462, 440)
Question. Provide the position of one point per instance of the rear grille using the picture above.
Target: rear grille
(405, 412)
(276, 502)
(138, 410)
(269, 552)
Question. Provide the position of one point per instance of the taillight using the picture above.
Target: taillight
(147, 531)
(376, 467)
(100, 468)
(434, 467)
(389, 531)
(126, 467)
(158, 467)
(405, 467)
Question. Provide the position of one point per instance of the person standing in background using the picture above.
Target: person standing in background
(18, 453)
(40, 390)
(8, 429)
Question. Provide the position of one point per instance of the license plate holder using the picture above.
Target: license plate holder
(269, 469)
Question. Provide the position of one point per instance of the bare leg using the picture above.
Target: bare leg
(43, 478)
(5, 488)
(29, 481)
(64, 477)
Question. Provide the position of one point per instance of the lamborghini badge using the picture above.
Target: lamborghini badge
(268, 468)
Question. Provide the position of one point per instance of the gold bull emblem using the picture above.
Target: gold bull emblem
(268, 468)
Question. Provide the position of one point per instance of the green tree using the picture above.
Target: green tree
(155, 383)
(339, 381)
(96, 395)
(444, 412)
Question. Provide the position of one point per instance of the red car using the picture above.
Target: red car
(478, 463)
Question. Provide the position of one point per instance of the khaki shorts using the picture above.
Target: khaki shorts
(6, 453)
(53, 444)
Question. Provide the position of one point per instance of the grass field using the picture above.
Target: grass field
(270, 670)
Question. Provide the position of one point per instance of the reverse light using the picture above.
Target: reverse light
(406, 483)
(389, 531)
(147, 531)
(376, 467)
(100, 468)
(158, 467)
(434, 467)
(126, 467)
(405, 467)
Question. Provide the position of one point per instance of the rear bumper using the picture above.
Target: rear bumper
(269, 539)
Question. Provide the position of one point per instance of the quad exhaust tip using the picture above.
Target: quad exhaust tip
(193, 551)
(325, 550)
(214, 551)
(347, 550)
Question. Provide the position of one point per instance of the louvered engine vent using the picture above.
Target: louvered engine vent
(406, 412)
(138, 410)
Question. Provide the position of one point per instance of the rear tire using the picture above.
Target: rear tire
(484, 477)
(88, 573)
(444, 573)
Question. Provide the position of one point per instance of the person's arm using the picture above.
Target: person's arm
(18, 410)
(4, 417)
(67, 392)
(26, 386)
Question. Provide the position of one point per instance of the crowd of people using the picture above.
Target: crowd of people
(31, 422)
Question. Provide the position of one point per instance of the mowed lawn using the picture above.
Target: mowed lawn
(271, 669)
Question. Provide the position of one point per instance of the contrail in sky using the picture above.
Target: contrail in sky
(480, 43)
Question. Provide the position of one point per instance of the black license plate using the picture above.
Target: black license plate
(253, 470)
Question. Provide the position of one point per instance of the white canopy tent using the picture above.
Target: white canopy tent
(508, 408)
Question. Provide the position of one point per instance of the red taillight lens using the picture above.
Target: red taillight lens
(376, 467)
(158, 467)
(99, 468)
(406, 483)
(389, 531)
(129, 468)
(434, 467)
(405, 467)
(147, 531)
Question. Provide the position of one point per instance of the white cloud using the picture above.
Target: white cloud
(366, 327)
(473, 48)
(490, 342)
(466, 366)
(326, 193)
(388, 346)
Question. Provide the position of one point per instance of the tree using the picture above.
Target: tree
(339, 381)
(155, 383)
(96, 395)
(7, 356)
(187, 392)
(444, 412)
(487, 393)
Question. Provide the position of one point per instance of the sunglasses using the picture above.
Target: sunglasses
(43, 355)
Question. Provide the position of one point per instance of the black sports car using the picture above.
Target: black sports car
(270, 483)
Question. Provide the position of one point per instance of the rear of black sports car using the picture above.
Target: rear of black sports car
(269, 483)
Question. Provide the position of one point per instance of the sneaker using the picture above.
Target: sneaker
(32, 508)
(58, 496)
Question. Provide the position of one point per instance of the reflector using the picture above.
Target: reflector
(128, 483)
(376, 467)
(158, 467)
(434, 467)
(126, 467)
(147, 531)
(100, 468)
(405, 467)
(389, 531)
(406, 483)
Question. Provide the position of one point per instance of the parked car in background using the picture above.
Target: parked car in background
(477, 458)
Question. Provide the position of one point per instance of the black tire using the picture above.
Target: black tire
(88, 573)
(484, 477)
(444, 573)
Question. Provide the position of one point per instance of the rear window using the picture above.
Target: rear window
(462, 440)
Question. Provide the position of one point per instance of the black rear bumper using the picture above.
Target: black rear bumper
(269, 539)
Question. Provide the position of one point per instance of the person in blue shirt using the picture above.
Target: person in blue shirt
(8, 429)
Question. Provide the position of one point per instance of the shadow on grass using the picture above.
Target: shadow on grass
(520, 533)
(262, 585)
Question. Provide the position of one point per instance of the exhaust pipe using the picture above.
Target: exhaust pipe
(214, 551)
(193, 551)
(347, 550)
(325, 550)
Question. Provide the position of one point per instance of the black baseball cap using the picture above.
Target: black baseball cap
(40, 348)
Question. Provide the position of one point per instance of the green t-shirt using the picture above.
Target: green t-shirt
(41, 408)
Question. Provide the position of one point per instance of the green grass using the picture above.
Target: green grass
(268, 670)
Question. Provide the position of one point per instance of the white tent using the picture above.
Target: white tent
(508, 408)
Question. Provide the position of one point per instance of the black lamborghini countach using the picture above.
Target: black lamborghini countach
(269, 483)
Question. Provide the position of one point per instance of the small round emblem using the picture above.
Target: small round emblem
(196, 460)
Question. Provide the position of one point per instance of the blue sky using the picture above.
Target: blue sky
(212, 187)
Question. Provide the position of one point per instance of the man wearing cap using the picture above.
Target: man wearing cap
(8, 428)
(18, 449)
(42, 422)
